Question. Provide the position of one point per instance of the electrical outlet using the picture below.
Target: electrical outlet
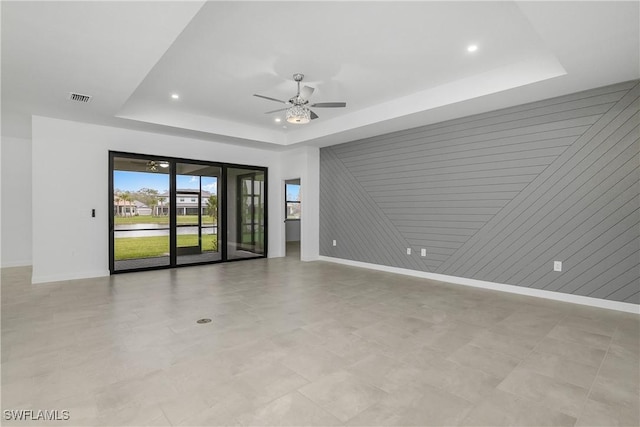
(557, 265)
(334, 243)
(423, 252)
(408, 251)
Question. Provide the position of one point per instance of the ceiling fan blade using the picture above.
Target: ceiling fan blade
(313, 115)
(269, 98)
(329, 104)
(275, 111)
(306, 92)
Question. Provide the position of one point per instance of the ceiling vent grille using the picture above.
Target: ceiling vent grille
(78, 97)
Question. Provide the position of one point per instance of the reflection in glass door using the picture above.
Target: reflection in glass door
(196, 204)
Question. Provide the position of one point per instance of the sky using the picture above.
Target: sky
(293, 191)
(134, 181)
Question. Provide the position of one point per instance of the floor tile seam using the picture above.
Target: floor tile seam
(535, 403)
(471, 404)
(564, 358)
(367, 379)
(472, 368)
(610, 338)
(359, 380)
(297, 391)
(166, 417)
(309, 380)
(482, 370)
(588, 396)
(521, 362)
(540, 340)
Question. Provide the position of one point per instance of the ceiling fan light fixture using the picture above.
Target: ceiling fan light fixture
(298, 114)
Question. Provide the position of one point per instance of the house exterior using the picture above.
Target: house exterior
(186, 202)
(130, 208)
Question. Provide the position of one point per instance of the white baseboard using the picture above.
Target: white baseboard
(539, 293)
(62, 277)
(19, 263)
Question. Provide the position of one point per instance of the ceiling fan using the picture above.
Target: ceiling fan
(297, 110)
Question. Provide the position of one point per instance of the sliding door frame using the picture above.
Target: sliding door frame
(222, 216)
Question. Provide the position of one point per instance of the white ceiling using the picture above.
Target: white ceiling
(396, 64)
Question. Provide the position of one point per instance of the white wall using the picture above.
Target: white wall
(16, 201)
(292, 232)
(70, 177)
(304, 163)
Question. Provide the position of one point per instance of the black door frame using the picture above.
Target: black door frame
(222, 216)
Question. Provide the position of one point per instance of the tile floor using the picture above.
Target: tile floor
(294, 343)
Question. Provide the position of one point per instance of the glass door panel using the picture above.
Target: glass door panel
(246, 217)
(140, 218)
(196, 207)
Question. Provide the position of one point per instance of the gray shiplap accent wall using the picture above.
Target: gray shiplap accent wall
(499, 196)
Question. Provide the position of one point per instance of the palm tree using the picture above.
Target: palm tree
(126, 197)
(117, 199)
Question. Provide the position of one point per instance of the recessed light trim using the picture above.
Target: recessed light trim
(472, 48)
(175, 96)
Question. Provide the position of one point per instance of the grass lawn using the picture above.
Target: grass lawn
(147, 247)
(149, 219)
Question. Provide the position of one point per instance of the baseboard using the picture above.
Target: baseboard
(539, 293)
(62, 277)
(20, 263)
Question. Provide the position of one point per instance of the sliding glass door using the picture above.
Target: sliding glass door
(140, 223)
(171, 212)
(247, 188)
(197, 213)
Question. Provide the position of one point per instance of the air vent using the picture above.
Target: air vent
(79, 97)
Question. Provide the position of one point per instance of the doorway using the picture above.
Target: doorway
(292, 217)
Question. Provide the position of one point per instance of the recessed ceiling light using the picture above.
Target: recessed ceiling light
(175, 96)
(472, 48)
(277, 119)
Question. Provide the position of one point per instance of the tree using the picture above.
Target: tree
(127, 199)
(212, 208)
(117, 199)
(148, 196)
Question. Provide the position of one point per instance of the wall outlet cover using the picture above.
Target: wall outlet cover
(557, 265)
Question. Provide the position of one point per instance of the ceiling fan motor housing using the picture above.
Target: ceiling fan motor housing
(298, 111)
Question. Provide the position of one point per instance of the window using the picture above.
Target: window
(193, 200)
(292, 205)
(182, 200)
